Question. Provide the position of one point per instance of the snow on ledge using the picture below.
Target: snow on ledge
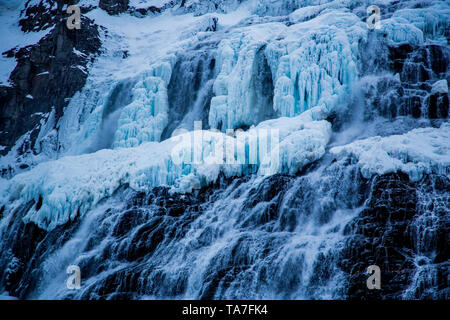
(417, 152)
(70, 186)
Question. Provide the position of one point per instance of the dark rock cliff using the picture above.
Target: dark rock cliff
(46, 75)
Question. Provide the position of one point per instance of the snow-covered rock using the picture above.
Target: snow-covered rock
(315, 62)
(71, 185)
(433, 21)
(419, 151)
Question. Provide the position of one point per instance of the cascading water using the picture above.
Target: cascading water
(190, 89)
(119, 97)
(241, 240)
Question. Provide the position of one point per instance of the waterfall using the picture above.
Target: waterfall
(119, 97)
(190, 89)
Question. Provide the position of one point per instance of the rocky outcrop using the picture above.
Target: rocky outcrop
(114, 7)
(46, 76)
(40, 16)
(419, 68)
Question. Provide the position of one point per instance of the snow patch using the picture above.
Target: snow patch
(417, 152)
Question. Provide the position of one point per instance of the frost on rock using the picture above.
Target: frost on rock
(70, 186)
(144, 4)
(302, 141)
(311, 11)
(416, 25)
(399, 30)
(299, 149)
(234, 102)
(200, 7)
(418, 152)
(137, 61)
(283, 7)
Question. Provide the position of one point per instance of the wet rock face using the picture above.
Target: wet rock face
(419, 64)
(404, 231)
(409, 94)
(46, 75)
(148, 220)
(419, 68)
(114, 7)
(144, 231)
(40, 16)
(25, 249)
